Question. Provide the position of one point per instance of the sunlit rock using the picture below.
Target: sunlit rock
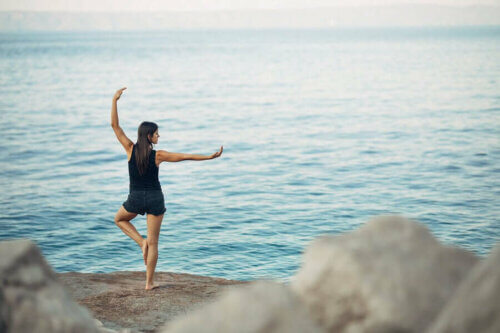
(390, 275)
(475, 306)
(260, 306)
(32, 300)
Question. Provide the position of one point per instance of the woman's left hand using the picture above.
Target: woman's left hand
(216, 154)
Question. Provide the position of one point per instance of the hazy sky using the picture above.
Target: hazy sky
(156, 5)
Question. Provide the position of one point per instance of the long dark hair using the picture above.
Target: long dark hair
(144, 146)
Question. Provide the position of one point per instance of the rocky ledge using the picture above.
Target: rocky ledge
(390, 275)
(118, 300)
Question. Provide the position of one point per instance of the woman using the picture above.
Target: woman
(145, 193)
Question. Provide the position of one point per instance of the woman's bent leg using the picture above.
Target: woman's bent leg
(122, 220)
(154, 224)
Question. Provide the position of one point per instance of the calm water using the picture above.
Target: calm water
(322, 129)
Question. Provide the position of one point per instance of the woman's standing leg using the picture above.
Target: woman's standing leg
(154, 224)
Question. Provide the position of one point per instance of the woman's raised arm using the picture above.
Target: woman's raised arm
(124, 140)
(114, 108)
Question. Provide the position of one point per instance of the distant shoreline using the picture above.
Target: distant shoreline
(409, 15)
(494, 28)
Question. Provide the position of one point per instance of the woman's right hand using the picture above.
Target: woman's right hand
(118, 93)
(216, 154)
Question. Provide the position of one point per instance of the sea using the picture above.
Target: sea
(322, 130)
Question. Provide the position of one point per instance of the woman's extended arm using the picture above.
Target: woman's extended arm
(166, 156)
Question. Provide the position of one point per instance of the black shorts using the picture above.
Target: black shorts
(140, 202)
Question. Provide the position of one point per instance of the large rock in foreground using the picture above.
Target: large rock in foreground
(261, 306)
(391, 275)
(475, 307)
(31, 299)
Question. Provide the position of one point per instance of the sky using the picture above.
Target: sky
(208, 5)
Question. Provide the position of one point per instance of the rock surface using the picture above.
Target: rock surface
(119, 301)
(261, 306)
(475, 307)
(390, 275)
(31, 299)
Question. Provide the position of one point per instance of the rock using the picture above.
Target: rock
(391, 275)
(35, 301)
(119, 301)
(475, 306)
(260, 306)
(101, 327)
(4, 312)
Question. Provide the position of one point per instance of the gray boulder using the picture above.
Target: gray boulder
(390, 275)
(475, 307)
(259, 306)
(31, 298)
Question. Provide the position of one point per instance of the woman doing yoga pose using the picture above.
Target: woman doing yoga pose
(145, 193)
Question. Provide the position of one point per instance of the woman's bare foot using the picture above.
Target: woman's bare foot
(151, 286)
(144, 248)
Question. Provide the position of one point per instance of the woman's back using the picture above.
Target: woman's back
(149, 180)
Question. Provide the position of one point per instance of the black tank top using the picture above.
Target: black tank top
(149, 180)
